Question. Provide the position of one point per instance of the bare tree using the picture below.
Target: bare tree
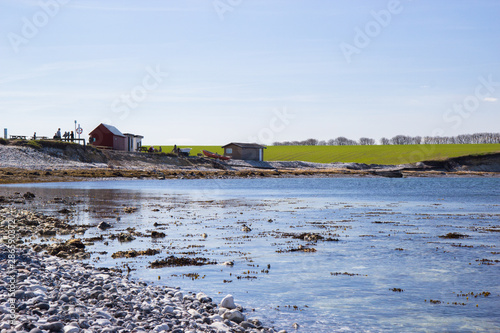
(475, 138)
(343, 141)
(366, 141)
(399, 140)
(310, 142)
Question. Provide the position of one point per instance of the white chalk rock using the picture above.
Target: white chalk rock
(103, 314)
(168, 309)
(103, 322)
(219, 326)
(179, 295)
(234, 316)
(71, 329)
(163, 327)
(194, 313)
(216, 318)
(38, 288)
(228, 302)
(203, 298)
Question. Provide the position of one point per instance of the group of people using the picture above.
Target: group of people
(67, 136)
(154, 150)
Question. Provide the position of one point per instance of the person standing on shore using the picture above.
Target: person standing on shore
(72, 136)
(58, 134)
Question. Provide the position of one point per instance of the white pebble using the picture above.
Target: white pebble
(228, 302)
(71, 329)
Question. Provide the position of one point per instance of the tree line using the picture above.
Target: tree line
(475, 138)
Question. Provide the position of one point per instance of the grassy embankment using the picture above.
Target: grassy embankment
(397, 154)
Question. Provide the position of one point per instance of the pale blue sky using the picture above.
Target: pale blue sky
(224, 76)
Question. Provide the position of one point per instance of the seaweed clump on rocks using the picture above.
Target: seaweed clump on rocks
(174, 261)
(310, 237)
(122, 237)
(157, 234)
(134, 253)
(71, 249)
(453, 235)
(30, 223)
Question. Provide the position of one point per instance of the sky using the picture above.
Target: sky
(210, 72)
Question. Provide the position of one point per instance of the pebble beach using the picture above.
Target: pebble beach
(50, 289)
(43, 293)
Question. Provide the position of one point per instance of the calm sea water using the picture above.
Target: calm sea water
(381, 275)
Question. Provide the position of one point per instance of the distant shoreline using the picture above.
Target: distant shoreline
(63, 162)
(23, 176)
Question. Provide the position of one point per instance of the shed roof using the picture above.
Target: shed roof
(245, 145)
(113, 130)
(134, 135)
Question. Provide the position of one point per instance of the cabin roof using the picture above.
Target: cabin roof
(134, 135)
(113, 130)
(245, 145)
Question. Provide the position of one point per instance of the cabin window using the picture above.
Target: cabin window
(229, 150)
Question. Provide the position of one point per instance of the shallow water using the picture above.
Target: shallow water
(381, 275)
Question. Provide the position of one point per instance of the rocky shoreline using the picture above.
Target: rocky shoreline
(46, 288)
(20, 176)
(72, 162)
(51, 294)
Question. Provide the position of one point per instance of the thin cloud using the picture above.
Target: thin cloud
(490, 99)
(50, 68)
(134, 9)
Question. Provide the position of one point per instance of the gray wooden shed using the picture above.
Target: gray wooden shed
(244, 151)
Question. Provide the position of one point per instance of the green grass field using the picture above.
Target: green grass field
(196, 149)
(393, 154)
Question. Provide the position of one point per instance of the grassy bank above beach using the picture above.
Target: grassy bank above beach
(392, 154)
